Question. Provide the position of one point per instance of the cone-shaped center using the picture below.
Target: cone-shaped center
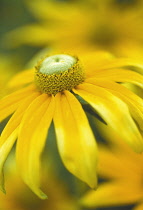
(57, 64)
(57, 73)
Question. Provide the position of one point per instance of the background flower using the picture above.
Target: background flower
(122, 169)
(108, 25)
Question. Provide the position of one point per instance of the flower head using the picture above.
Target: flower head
(58, 73)
(38, 101)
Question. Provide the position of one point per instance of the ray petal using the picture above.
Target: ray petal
(114, 111)
(4, 151)
(93, 62)
(120, 75)
(9, 134)
(31, 140)
(139, 206)
(9, 103)
(22, 78)
(112, 194)
(111, 163)
(134, 102)
(16, 118)
(76, 143)
(123, 62)
(47, 10)
(24, 35)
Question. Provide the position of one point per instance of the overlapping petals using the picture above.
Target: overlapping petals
(123, 168)
(104, 103)
(75, 140)
(11, 102)
(31, 140)
(134, 102)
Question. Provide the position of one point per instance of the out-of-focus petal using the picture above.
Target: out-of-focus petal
(139, 207)
(4, 151)
(30, 34)
(22, 78)
(53, 11)
(112, 194)
(93, 62)
(111, 163)
(123, 62)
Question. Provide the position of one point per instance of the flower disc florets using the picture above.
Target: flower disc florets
(57, 73)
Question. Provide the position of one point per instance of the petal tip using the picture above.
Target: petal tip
(94, 184)
(138, 148)
(2, 188)
(2, 183)
(40, 194)
(43, 196)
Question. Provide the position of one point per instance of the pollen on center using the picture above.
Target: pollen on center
(57, 73)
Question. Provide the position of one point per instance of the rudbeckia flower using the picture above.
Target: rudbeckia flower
(89, 25)
(123, 168)
(51, 92)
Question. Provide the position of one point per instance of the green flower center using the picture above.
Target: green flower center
(58, 73)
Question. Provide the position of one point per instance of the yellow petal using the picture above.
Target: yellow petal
(134, 102)
(139, 206)
(33, 34)
(22, 78)
(10, 132)
(4, 151)
(120, 75)
(16, 118)
(76, 143)
(47, 10)
(10, 102)
(123, 62)
(112, 194)
(114, 111)
(31, 140)
(119, 153)
(111, 163)
(94, 61)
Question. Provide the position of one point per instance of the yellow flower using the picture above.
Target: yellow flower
(124, 169)
(50, 92)
(98, 25)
